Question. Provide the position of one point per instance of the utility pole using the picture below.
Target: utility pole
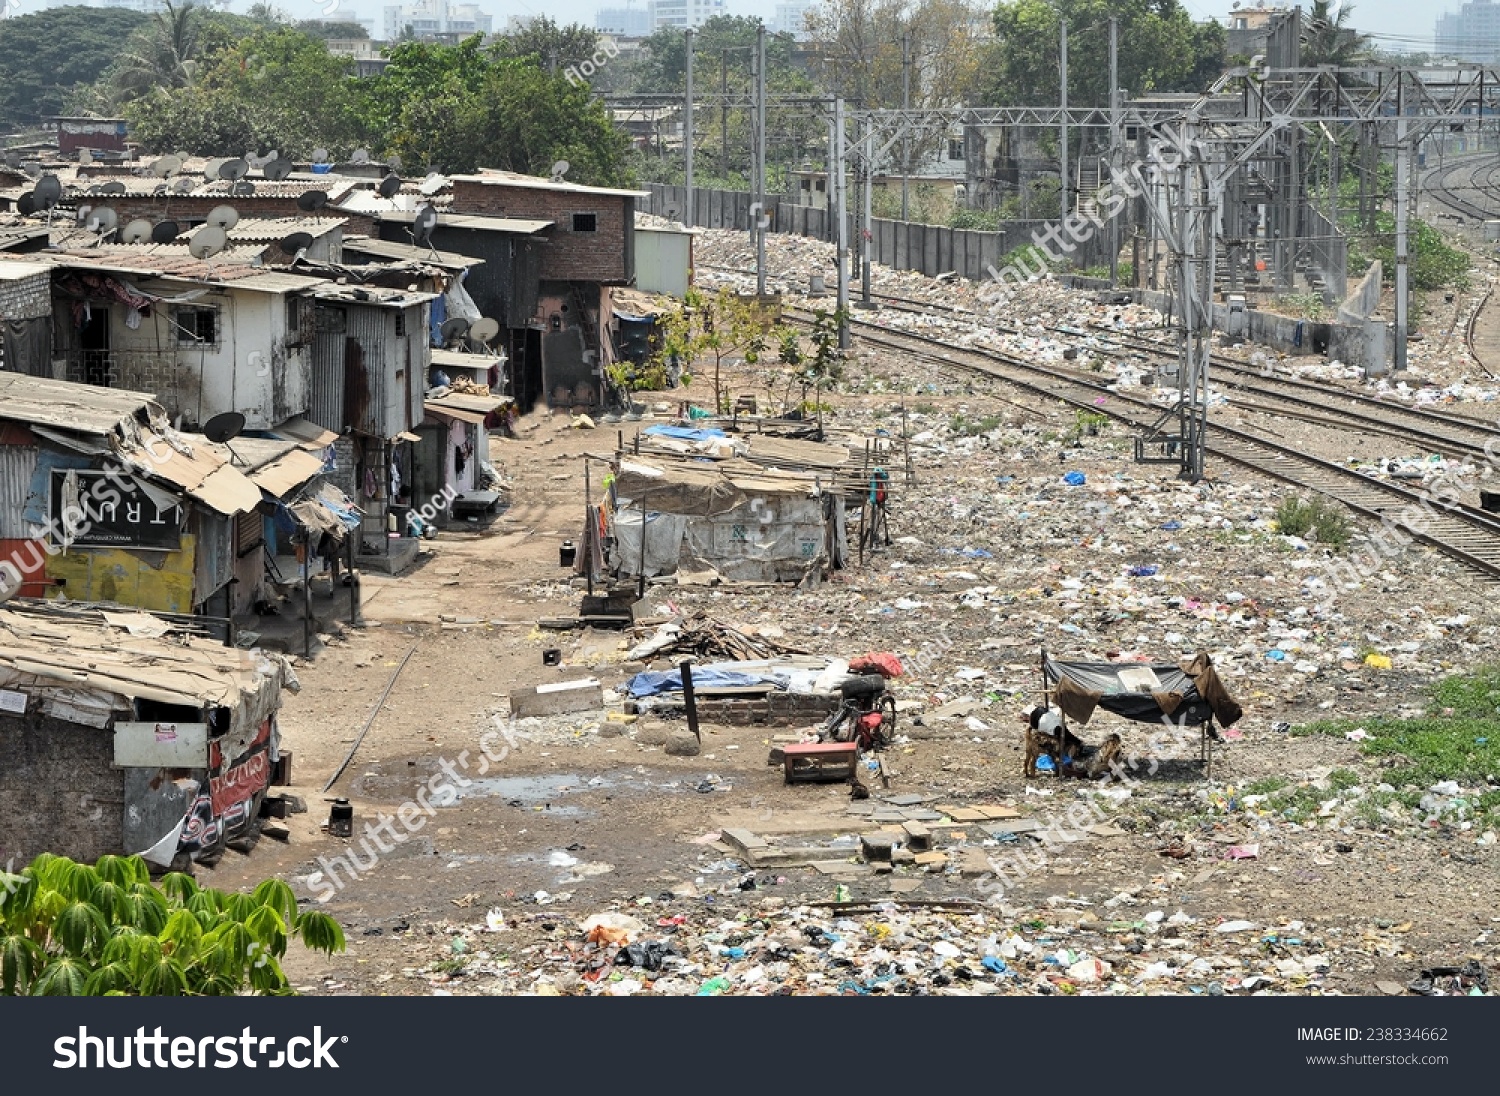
(842, 215)
(1114, 144)
(867, 237)
(1062, 122)
(687, 136)
(724, 111)
(760, 159)
(905, 123)
(1401, 242)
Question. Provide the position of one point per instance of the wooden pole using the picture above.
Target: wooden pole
(689, 701)
(306, 592)
(589, 532)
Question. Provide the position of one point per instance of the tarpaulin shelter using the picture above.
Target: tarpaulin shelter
(1190, 695)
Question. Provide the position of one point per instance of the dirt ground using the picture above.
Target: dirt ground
(578, 817)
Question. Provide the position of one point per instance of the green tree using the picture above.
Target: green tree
(72, 930)
(276, 88)
(325, 30)
(1160, 49)
(165, 52)
(46, 55)
(554, 47)
(1329, 39)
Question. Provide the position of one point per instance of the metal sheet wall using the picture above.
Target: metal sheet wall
(17, 465)
(326, 400)
(373, 329)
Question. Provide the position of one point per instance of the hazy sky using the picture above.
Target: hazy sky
(1394, 23)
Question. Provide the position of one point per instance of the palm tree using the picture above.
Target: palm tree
(162, 54)
(1328, 39)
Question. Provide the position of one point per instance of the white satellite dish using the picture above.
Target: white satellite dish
(225, 217)
(166, 166)
(136, 232)
(560, 169)
(207, 242)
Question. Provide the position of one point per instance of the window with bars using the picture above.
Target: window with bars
(195, 326)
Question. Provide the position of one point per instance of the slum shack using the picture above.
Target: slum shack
(123, 734)
(707, 522)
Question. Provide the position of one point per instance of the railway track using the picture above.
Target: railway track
(1464, 533)
(1476, 172)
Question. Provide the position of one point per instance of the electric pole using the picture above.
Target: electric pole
(867, 237)
(1114, 144)
(1401, 242)
(687, 135)
(1062, 121)
(905, 123)
(841, 213)
(760, 159)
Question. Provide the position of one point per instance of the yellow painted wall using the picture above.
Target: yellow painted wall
(161, 581)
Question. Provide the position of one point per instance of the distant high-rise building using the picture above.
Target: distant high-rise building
(626, 22)
(1472, 33)
(430, 18)
(684, 13)
(791, 17)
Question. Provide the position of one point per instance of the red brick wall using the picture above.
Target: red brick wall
(603, 255)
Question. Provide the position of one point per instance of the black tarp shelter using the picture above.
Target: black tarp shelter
(1189, 695)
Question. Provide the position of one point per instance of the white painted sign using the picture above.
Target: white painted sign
(161, 745)
(12, 701)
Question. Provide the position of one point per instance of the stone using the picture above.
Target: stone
(653, 734)
(931, 859)
(559, 698)
(918, 836)
(903, 856)
(877, 846)
(682, 744)
(777, 756)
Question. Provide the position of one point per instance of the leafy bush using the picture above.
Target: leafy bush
(70, 930)
(1316, 519)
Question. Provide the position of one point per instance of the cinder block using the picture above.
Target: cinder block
(558, 698)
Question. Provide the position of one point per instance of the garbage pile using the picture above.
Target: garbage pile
(1065, 947)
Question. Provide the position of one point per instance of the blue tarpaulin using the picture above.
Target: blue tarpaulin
(685, 433)
(656, 682)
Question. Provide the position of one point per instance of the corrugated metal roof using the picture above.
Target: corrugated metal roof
(287, 472)
(455, 359)
(84, 408)
(307, 434)
(516, 225)
(389, 249)
(536, 182)
(467, 408)
(371, 295)
(189, 462)
(43, 649)
(14, 271)
(274, 228)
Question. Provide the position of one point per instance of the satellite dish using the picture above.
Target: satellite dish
(85, 157)
(484, 330)
(389, 185)
(394, 163)
(11, 159)
(48, 190)
(31, 167)
(112, 188)
(165, 232)
(297, 241)
(224, 427)
(207, 242)
(26, 203)
(320, 156)
(241, 188)
(211, 169)
(234, 170)
(422, 226)
(360, 156)
(166, 167)
(184, 185)
(276, 170)
(136, 232)
(560, 169)
(310, 200)
(453, 327)
(101, 220)
(225, 217)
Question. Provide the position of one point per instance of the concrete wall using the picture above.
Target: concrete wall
(59, 790)
(901, 245)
